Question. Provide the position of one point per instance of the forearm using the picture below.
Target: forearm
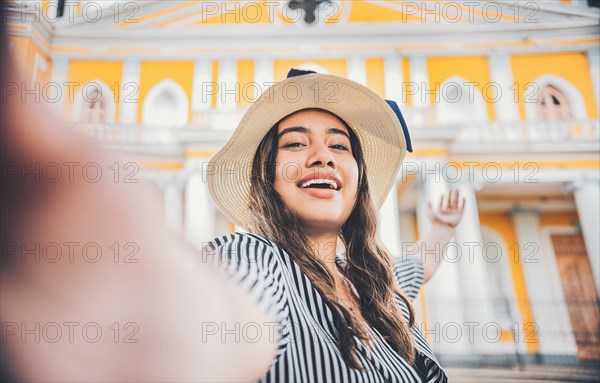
(431, 246)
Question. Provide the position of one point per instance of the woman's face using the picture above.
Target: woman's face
(316, 173)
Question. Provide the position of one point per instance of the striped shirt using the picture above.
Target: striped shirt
(307, 349)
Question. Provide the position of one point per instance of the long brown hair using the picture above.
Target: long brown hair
(368, 268)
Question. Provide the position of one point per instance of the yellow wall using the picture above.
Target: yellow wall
(573, 67)
(244, 83)
(502, 224)
(406, 71)
(474, 69)
(375, 75)
(364, 11)
(109, 72)
(153, 72)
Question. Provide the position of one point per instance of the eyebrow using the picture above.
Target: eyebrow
(301, 129)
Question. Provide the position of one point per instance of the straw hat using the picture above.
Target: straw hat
(378, 124)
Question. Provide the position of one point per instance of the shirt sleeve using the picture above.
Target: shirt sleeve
(252, 264)
(409, 273)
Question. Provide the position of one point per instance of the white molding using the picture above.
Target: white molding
(576, 100)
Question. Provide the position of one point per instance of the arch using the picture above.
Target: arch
(166, 105)
(457, 103)
(574, 97)
(95, 103)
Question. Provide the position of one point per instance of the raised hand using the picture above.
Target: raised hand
(451, 213)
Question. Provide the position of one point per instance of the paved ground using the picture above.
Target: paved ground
(532, 374)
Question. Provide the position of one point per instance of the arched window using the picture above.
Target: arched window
(94, 104)
(94, 108)
(553, 104)
(166, 105)
(457, 102)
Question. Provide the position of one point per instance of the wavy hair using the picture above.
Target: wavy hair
(369, 267)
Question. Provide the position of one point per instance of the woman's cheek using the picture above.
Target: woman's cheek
(289, 170)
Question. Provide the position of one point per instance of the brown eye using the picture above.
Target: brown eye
(340, 147)
(293, 145)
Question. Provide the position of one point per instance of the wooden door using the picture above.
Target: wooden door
(580, 292)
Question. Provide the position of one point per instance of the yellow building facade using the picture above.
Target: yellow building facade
(501, 99)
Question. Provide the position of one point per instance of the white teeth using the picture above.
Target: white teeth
(332, 184)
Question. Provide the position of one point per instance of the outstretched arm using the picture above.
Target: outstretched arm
(443, 223)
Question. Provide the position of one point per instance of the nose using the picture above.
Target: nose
(321, 155)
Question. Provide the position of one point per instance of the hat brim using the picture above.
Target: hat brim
(366, 113)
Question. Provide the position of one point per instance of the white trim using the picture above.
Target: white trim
(183, 107)
(107, 95)
(576, 100)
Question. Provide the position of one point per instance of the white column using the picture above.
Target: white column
(444, 304)
(200, 211)
(544, 289)
(478, 305)
(593, 55)
(419, 79)
(60, 69)
(356, 70)
(394, 79)
(501, 75)
(263, 75)
(130, 85)
(389, 223)
(227, 85)
(202, 86)
(587, 199)
(173, 201)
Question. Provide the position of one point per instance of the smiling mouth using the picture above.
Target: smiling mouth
(320, 184)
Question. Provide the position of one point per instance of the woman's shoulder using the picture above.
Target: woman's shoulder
(243, 247)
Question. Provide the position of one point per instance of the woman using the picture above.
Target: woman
(324, 153)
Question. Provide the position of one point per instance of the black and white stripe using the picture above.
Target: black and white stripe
(307, 351)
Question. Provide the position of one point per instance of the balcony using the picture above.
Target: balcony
(488, 137)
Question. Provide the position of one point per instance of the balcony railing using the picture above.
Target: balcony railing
(218, 126)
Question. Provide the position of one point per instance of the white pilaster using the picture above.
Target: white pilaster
(587, 199)
(227, 85)
(202, 87)
(394, 79)
(173, 201)
(503, 81)
(60, 69)
(389, 223)
(129, 92)
(444, 302)
(544, 288)
(263, 76)
(473, 273)
(419, 81)
(200, 211)
(593, 55)
(357, 71)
